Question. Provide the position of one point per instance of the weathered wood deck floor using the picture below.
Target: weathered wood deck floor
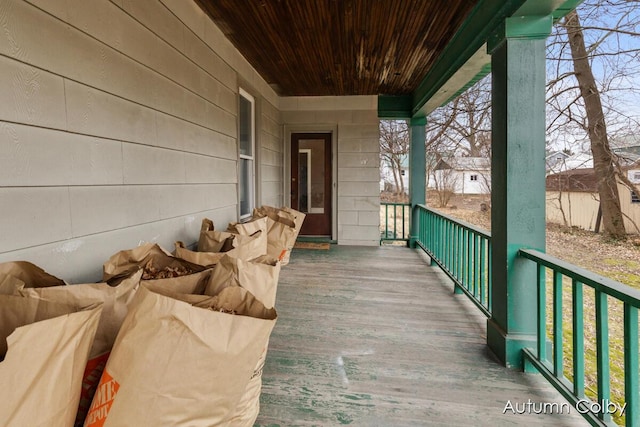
(375, 337)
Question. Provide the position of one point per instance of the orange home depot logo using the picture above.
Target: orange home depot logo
(102, 401)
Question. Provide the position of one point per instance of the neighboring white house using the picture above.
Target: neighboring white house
(462, 175)
(560, 162)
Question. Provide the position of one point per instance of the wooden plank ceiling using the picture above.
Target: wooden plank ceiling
(340, 47)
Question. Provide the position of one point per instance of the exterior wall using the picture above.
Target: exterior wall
(354, 122)
(460, 181)
(118, 126)
(581, 209)
(271, 189)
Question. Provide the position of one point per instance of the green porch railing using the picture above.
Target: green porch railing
(461, 250)
(568, 305)
(568, 286)
(396, 222)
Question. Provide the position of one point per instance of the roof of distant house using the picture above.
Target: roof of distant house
(579, 180)
(464, 163)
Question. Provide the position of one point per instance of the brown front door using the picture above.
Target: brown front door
(311, 181)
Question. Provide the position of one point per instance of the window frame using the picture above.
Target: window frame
(251, 158)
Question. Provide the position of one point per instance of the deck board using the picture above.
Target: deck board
(375, 337)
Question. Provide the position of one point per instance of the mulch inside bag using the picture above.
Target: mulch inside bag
(115, 297)
(159, 266)
(32, 275)
(155, 262)
(182, 359)
(45, 345)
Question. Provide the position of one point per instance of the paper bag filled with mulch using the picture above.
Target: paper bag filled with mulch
(213, 244)
(158, 266)
(182, 359)
(28, 274)
(115, 297)
(259, 276)
(283, 227)
(45, 346)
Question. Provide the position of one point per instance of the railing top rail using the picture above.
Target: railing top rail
(484, 233)
(603, 284)
(395, 204)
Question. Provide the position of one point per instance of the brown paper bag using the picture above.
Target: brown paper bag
(155, 261)
(259, 276)
(10, 285)
(214, 241)
(115, 300)
(283, 227)
(279, 234)
(248, 228)
(177, 364)
(45, 352)
(206, 259)
(32, 275)
(298, 218)
(159, 266)
(243, 247)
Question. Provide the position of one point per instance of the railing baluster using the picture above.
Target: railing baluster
(602, 345)
(578, 337)
(631, 391)
(482, 269)
(395, 221)
(386, 221)
(557, 325)
(542, 313)
(476, 266)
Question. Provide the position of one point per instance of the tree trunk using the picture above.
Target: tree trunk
(602, 159)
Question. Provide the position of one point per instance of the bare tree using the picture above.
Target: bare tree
(463, 126)
(394, 149)
(446, 181)
(597, 131)
(592, 92)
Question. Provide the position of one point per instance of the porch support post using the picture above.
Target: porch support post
(517, 181)
(417, 173)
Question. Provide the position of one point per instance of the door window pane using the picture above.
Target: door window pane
(313, 174)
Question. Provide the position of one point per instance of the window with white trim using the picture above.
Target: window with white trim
(246, 160)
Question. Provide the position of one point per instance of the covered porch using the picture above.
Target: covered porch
(375, 336)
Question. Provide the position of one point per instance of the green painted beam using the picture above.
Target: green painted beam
(483, 21)
(394, 106)
(485, 70)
